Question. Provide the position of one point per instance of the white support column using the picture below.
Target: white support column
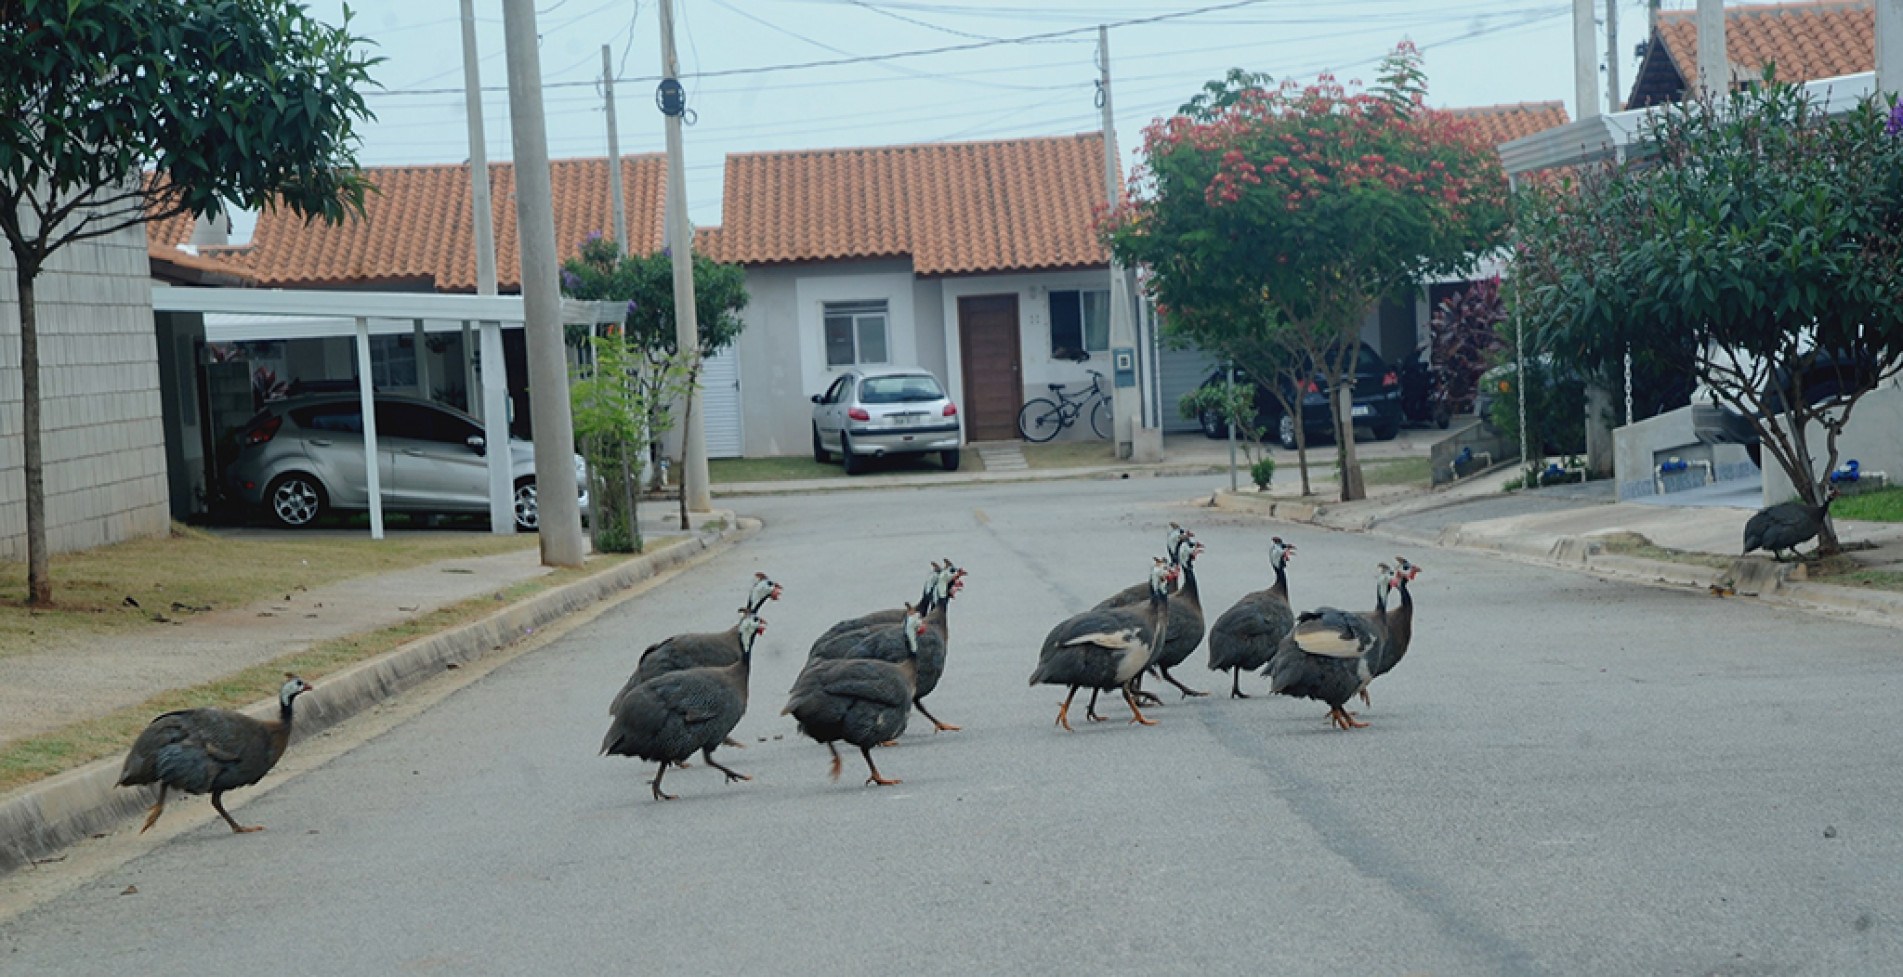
(471, 402)
(1890, 46)
(495, 370)
(419, 341)
(367, 399)
(1714, 66)
(1585, 60)
(1615, 100)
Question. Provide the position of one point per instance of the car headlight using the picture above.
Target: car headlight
(581, 469)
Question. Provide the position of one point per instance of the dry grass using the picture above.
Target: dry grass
(1069, 454)
(1398, 471)
(38, 757)
(1634, 544)
(193, 571)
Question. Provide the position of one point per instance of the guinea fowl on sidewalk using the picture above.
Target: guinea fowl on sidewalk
(210, 751)
(1106, 649)
(1785, 525)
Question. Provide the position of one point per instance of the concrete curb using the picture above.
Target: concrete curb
(44, 817)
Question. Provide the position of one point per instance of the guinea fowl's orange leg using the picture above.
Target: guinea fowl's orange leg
(655, 785)
(836, 761)
(1343, 719)
(158, 808)
(1136, 715)
(1063, 711)
(217, 804)
(708, 755)
(937, 727)
(1365, 701)
(876, 779)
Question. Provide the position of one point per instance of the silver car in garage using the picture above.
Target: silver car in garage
(879, 411)
(303, 456)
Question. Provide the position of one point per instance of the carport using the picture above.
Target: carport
(308, 313)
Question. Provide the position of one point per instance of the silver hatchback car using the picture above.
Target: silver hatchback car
(303, 456)
(875, 412)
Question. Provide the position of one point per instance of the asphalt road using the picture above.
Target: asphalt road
(1566, 776)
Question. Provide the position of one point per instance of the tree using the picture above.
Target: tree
(646, 283)
(611, 396)
(1465, 341)
(1756, 244)
(1313, 203)
(117, 112)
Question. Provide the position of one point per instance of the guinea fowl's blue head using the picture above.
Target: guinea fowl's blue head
(947, 581)
(1404, 571)
(291, 689)
(1280, 553)
(752, 626)
(1383, 583)
(764, 589)
(1162, 574)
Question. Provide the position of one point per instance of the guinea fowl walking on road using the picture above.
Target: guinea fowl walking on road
(210, 751)
(1400, 622)
(1245, 636)
(1138, 594)
(1107, 649)
(862, 699)
(1185, 631)
(667, 718)
(1326, 656)
(843, 636)
(694, 651)
(895, 643)
(1785, 525)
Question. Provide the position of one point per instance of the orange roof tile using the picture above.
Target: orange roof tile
(953, 208)
(172, 231)
(416, 227)
(1505, 123)
(1806, 40)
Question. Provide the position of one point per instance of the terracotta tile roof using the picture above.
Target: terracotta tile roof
(1505, 123)
(172, 265)
(416, 228)
(953, 208)
(173, 230)
(1807, 41)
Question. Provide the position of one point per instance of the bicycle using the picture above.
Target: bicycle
(1042, 418)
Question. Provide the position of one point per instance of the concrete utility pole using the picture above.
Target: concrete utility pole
(1714, 67)
(680, 236)
(1134, 441)
(1890, 46)
(559, 509)
(1585, 60)
(494, 409)
(617, 203)
(1614, 101)
(1651, 19)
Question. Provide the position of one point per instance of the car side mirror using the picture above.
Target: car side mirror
(816, 398)
(477, 444)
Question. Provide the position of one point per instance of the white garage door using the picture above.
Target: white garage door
(720, 403)
(1182, 370)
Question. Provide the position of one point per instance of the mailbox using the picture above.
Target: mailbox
(1123, 361)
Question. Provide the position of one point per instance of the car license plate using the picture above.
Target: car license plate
(905, 420)
(1362, 410)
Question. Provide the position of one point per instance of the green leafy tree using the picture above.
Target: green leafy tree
(1311, 203)
(646, 284)
(116, 112)
(611, 397)
(1757, 244)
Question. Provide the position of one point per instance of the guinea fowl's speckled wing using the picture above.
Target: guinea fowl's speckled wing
(1246, 635)
(696, 695)
(1295, 672)
(205, 750)
(1332, 633)
(681, 652)
(868, 680)
(1130, 596)
(1126, 638)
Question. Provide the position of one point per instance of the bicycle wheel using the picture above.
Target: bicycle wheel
(1040, 419)
(1101, 421)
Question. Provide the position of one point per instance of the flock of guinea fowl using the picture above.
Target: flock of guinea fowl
(865, 675)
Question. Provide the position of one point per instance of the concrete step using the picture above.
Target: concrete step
(1002, 456)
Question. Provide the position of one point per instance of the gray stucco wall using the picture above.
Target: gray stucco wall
(1638, 448)
(1874, 437)
(104, 438)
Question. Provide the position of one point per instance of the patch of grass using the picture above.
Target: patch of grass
(1634, 544)
(1398, 471)
(192, 571)
(793, 467)
(1069, 454)
(35, 758)
(1884, 505)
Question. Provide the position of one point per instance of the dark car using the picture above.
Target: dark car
(1377, 403)
(1828, 375)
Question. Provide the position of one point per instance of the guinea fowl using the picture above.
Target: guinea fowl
(1327, 655)
(1400, 624)
(1785, 525)
(667, 718)
(843, 636)
(1185, 629)
(694, 651)
(1246, 635)
(1138, 594)
(1107, 649)
(210, 751)
(896, 643)
(862, 699)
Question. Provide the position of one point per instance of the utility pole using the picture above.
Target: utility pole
(1651, 20)
(1126, 396)
(1614, 101)
(617, 204)
(1585, 60)
(680, 236)
(1714, 68)
(495, 369)
(1890, 46)
(559, 511)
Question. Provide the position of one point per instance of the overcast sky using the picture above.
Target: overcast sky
(734, 57)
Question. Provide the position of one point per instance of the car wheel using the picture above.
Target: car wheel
(852, 463)
(1386, 432)
(1285, 431)
(528, 513)
(295, 500)
(1213, 427)
(819, 453)
(950, 457)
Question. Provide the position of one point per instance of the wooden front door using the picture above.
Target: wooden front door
(994, 373)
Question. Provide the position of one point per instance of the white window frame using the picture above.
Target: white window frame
(1083, 317)
(391, 358)
(861, 314)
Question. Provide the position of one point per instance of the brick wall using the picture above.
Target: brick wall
(105, 443)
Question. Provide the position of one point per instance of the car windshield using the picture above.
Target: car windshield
(899, 390)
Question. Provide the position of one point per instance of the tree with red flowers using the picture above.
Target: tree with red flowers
(1292, 210)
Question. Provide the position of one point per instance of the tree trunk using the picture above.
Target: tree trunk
(1344, 394)
(687, 413)
(630, 494)
(39, 580)
(1301, 446)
